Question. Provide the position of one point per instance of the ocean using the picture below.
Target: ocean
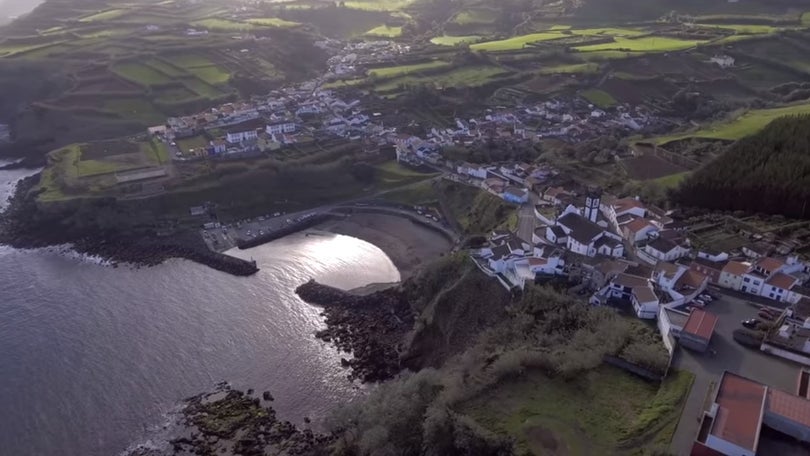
(95, 359)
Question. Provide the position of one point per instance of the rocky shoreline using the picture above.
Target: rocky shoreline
(233, 422)
(371, 327)
(24, 226)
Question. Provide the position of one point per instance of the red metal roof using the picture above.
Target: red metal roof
(739, 417)
(701, 324)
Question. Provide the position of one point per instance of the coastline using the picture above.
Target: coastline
(408, 245)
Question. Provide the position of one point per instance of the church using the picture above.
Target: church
(586, 231)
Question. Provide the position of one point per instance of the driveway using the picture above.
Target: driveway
(730, 356)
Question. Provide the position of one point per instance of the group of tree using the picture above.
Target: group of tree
(768, 172)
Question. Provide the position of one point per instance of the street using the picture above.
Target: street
(527, 221)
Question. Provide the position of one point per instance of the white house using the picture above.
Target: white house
(778, 287)
(556, 235)
(638, 229)
(280, 127)
(732, 275)
(585, 237)
(236, 137)
(663, 249)
(623, 206)
(724, 61)
(638, 290)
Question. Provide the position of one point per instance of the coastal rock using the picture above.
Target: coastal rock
(370, 327)
(267, 396)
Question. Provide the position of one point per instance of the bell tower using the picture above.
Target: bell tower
(592, 202)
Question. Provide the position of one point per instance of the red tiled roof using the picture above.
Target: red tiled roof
(770, 264)
(644, 294)
(691, 278)
(638, 224)
(537, 261)
(736, 268)
(782, 281)
(627, 203)
(700, 323)
(627, 280)
(794, 408)
(739, 416)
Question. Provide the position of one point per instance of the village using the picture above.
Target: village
(617, 249)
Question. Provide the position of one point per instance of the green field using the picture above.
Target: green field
(385, 31)
(518, 42)
(448, 40)
(471, 76)
(673, 180)
(202, 88)
(605, 411)
(189, 60)
(746, 29)
(272, 22)
(599, 98)
(571, 68)
(741, 126)
(644, 44)
(104, 15)
(140, 74)
(389, 72)
(134, 108)
(211, 74)
(377, 5)
(475, 17)
(166, 68)
(222, 24)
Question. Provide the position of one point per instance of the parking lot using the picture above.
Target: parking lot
(728, 356)
(223, 238)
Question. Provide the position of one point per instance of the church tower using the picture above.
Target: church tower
(592, 203)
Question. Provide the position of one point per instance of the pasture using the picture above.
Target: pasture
(740, 125)
(644, 44)
(599, 98)
(272, 22)
(384, 31)
(388, 72)
(140, 74)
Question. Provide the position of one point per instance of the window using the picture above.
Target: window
(746, 280)
(771, 295)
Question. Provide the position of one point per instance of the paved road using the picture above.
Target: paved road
(731, 356)
(527, 221)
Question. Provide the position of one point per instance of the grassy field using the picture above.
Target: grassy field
(644, 44)
(571, 68)
(222, 24)
(104, 15)
(449, 40)
(272, 22)
(471, 76)
(741, 126)
(134, 108)
(475, 16)
(605, 411)
(673, 180)
(140, 74)
(211, 74)
(599, 98)
(389, 72)
(518, 42)
(385, 31)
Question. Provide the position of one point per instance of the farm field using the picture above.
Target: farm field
(104, 15)
(471, 76)
(650, 167)
(742, 125)
(599, 98)
(140, 74)
(644, 44)
(605, 411)
(518, 42)
(388, 72)
(272, 22)
(385, 31)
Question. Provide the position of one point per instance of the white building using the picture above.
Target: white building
(662, 249)
(280, 128)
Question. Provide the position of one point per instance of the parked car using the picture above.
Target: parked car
(699, 302)
(706, 298)
(772, 312)
(765, 315)
(751, 323)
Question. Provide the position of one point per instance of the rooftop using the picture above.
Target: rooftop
(794, 408)
(638, 224)
(644, 294)
(769, 264)
(690, 280)
(739, 416)
(701, 324)
(781, 280)
(631, 281)
(736, 268)
(624, 204)
(582, 230)
(662, 245)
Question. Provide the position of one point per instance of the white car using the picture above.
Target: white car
(705, 297)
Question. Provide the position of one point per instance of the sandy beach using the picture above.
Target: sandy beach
(409, 245)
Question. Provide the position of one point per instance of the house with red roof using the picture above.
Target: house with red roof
(638, 229)
(741, 408)
(698, 330)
